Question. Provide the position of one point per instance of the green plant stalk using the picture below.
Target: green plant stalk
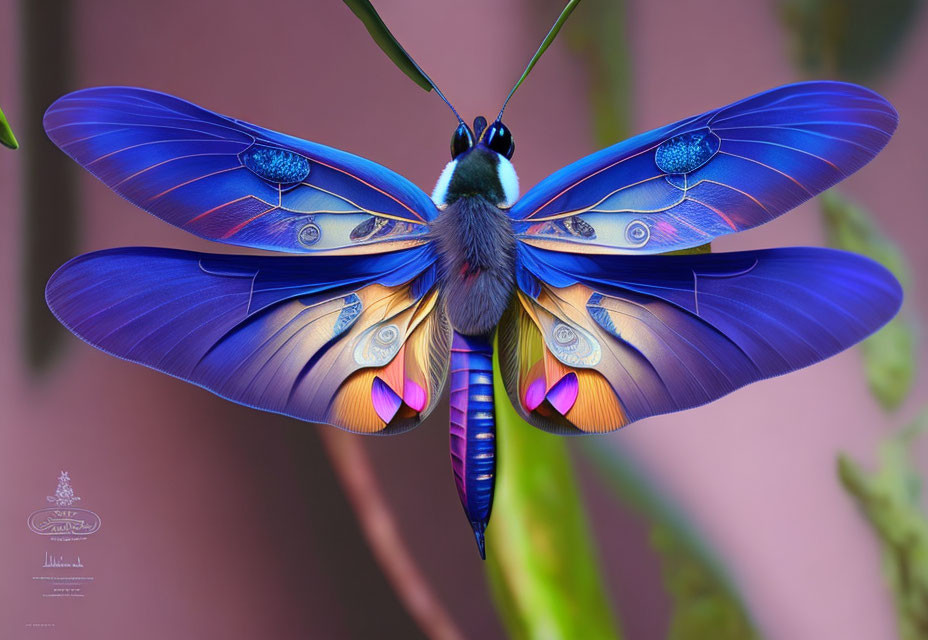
(541, 561)
(7, 139)
(889, 356)
(890, 500)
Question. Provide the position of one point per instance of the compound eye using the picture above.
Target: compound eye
(499, 139)
(462, 140)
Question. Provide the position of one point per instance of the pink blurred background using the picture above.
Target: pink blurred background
(219, 521)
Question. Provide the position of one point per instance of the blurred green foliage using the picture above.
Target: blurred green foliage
(598, 34)
(848, 39)
(705, 603)
(541, 561)
(890, 362)
(7, 139)
(851, 228)
(890, 498)
(704, 606)
(889, 355)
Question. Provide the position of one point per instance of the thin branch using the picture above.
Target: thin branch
(379, 526)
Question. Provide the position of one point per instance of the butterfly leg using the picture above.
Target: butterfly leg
(473, 428)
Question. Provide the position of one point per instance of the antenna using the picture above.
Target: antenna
(366, 13)
(552, 34)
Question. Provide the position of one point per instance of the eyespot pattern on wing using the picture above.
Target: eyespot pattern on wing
(378, 345)
(310, 234)
(724, 171)
(572, 345)
(229, 181)
(637, 233)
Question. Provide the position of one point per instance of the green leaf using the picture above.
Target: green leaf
(849, 39)
(7, 139)
(890, 500)
(541, 561)
(889, 355)
(385, 40)
(705, 603)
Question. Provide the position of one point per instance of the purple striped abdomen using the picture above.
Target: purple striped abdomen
(473, 428)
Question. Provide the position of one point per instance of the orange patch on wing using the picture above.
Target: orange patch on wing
(352, 403)
(597, 409)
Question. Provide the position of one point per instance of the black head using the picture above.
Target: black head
(462, 140)
(496, 137)
(479, 166)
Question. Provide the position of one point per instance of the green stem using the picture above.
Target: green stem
(541, 558)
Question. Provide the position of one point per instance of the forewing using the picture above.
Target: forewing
(613, 339)
(229, 181)
(360, 344)
(717, 173)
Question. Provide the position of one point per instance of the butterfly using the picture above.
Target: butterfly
(389, 295)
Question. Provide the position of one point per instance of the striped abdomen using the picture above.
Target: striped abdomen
(473, 428)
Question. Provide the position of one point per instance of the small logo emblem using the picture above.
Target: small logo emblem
(64, 494)
(64, 522)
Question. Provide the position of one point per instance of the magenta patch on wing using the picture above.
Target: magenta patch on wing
(386, 401)
(414, 395)
(563, 394)
(535, 394)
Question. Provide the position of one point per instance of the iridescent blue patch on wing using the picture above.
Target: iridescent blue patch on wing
(686, 152)
(348, 314)
(275, 165)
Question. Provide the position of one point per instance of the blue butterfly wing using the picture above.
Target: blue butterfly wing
(307, 337)
(721, 172)
(226, 180)
(593, 342)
